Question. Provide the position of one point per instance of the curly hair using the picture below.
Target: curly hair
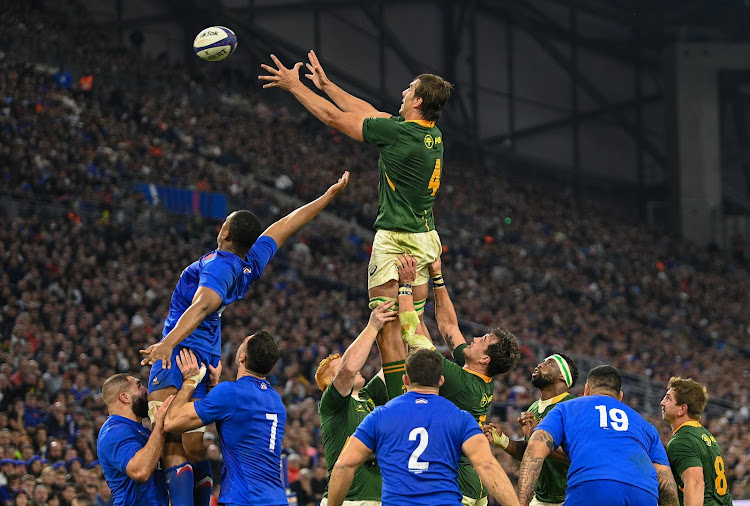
(504, 354)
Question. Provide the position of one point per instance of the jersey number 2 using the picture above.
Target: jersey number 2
(275, 421)
(435, 179)
(414, 464)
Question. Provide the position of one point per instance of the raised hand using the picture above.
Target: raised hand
(317, 75)
(160, 414)
(214, 374)
(281, 77)
(381, 315)
(407, 268)
(339, 186)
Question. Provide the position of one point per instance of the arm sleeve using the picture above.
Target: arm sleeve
(380, 131)
(261, 253)
(332, 401)
(681, 456)
(375, 390)
(553, 425)
(454, 377)
(219, 404)
(469, 426)
(367, 430)
(119, 447)
(218, 275)
(458, 354)
(656, 452)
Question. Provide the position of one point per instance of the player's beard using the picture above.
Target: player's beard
(140, 406)
(541, 381)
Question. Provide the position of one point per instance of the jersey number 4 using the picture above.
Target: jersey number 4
(415, 466)
(435, 179)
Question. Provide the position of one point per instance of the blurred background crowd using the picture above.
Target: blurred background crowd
(89, 264)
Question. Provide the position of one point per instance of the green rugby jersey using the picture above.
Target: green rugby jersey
(339, 418)
(553, 479)
(472, 392)
(693, 446)
(409, 167)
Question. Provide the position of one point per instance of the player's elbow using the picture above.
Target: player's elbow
(139, 475)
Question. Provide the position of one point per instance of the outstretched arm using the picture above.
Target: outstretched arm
(668, 487)
(142, 465)
(205, 301)
(344, 100)
(356, 354)
(445, 314)
(539, 447)
(289, 224)
(349, 123)
(489, 470)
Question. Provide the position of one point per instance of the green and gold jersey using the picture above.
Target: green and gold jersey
(471, 392)
(339, 417)
(693, 446)
(410, 166)
(553, 479)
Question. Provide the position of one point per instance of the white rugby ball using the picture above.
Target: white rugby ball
(215, 43)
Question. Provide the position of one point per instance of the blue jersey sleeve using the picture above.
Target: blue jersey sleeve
(367, 430)
(261, 253)
(219, 404)
(469, 426)
(553, 425)
(657, 452)
(219, 275)
(119, 447)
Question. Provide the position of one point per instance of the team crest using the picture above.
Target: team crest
(429, 141)
(247, 270)
(706, 439)
(263, 386)
(486, 399)
(155, 382)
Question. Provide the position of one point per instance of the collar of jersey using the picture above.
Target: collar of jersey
(542, 405)
(689, 423)
(421, 122)
(486, 379)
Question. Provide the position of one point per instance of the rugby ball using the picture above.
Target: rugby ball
(215, 43)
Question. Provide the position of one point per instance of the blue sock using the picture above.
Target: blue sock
(180, 484)
(204, 483)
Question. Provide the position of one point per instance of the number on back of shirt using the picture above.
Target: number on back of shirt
(618, 419)
(415, 466)
(274, 422)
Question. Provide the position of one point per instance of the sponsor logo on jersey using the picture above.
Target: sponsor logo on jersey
(706, 439)
(372, 270)
(421, 401)
(429, 141)
(370, 405)
(263, 386)
(247, 270)
(155, 382)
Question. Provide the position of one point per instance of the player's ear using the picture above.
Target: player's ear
(619, 396)
(442, 380)
(124, 398)
(418, 102)
(586, 389)
(405, 379)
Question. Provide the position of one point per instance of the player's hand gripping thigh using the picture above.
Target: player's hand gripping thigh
(389, 338)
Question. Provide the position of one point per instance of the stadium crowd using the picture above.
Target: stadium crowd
(86, 284)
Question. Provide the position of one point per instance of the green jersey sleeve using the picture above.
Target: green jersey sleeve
(458, 354)
(455, 380)
(331, 402)
(375, 390)
(683, 455)
(380, 131)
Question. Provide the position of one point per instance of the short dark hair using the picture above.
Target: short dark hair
(504, 353)
(605, 377)
(424, 367)
(434, 92)
(244, 229)
(114, 385)
(573, 369)
(262, 353)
